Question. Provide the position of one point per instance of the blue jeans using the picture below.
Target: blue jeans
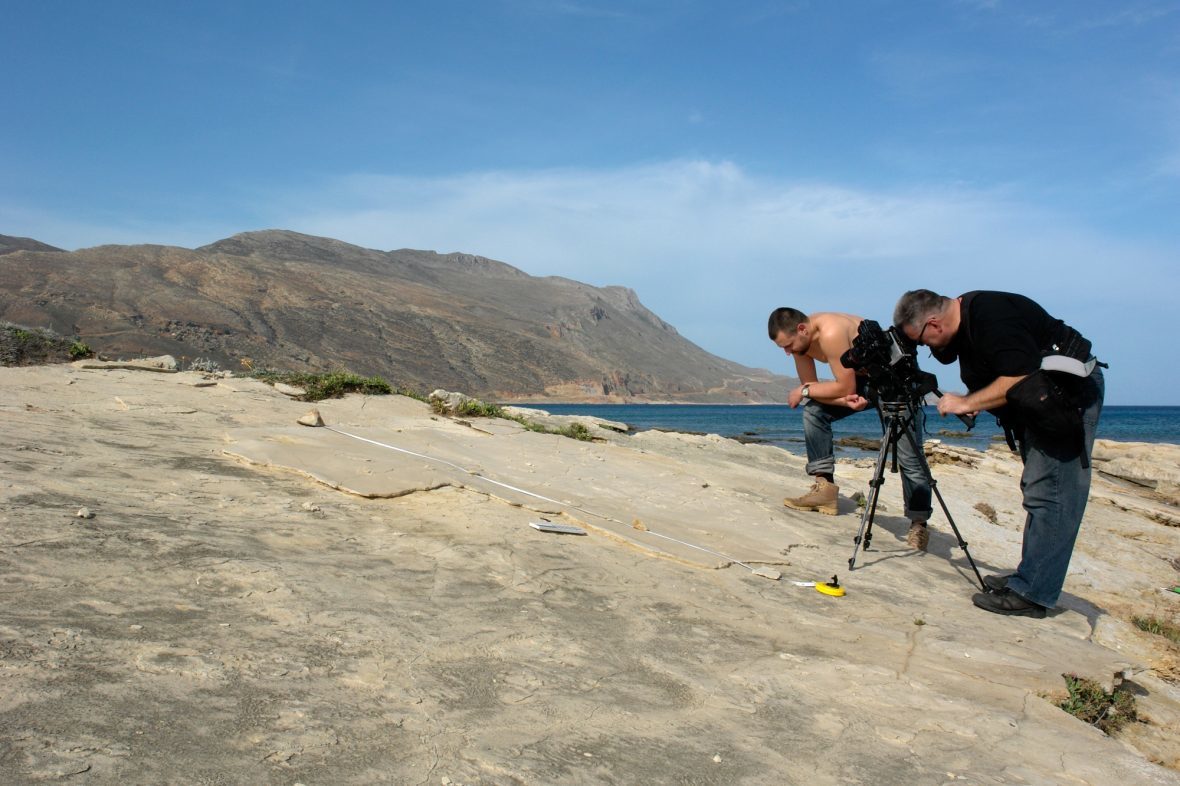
(1055, 494)
(817, 433)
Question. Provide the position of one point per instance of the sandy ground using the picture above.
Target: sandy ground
(234, 612)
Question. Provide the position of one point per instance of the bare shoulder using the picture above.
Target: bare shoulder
(832, 326)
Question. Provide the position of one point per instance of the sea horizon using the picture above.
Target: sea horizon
(779, 424)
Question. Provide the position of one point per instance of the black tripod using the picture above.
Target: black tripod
(896, 417)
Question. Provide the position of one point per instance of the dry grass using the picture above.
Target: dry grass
(987, 511)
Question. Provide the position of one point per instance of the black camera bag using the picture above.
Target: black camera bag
(1049, 403)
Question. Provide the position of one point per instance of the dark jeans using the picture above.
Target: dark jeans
(817, 432)
(1055, 494)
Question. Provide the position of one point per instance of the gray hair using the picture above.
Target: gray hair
(918, 305)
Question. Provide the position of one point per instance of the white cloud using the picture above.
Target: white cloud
(713, 248)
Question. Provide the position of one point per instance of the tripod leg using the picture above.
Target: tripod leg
(865, 533)
(942, 503)
(959, 537)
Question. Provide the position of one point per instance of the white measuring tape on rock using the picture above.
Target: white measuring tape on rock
(315, 420)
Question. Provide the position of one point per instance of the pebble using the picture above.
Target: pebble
(84, 513)
(312, 418)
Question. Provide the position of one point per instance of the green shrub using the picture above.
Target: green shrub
(574, 430)
(1089, 702)
(474, 408)
(332, 384)
(79, 350)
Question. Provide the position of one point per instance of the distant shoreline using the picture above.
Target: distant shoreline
(778, 424)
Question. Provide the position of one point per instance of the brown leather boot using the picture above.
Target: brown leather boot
(823, 497)
(918, 536)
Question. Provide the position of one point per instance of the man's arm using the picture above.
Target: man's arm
(805, 370)
(833, 344)
(990, 397)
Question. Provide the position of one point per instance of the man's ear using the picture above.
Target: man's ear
(801, 328)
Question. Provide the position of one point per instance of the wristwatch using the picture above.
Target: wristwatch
(807, 390)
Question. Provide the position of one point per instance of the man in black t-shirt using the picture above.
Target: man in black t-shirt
(1000, 339)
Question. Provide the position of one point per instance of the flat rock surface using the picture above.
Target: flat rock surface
(256, 601)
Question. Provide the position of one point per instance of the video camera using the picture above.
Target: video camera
(889, 360)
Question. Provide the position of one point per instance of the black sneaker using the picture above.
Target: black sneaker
(1008, 602)
(996, 583)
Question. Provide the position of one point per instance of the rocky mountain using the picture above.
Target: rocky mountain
(9, 244)
(289, 301)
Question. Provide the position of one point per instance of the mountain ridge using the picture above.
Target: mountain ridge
(287, 300)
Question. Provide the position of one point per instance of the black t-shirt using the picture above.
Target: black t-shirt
(1000, 335)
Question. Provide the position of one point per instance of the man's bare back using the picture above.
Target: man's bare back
(832, 334)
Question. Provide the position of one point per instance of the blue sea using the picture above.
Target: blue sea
(778, 424)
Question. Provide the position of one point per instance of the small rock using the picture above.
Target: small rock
(164, 363)
(448, 401)
(289, 390)
(717, 758)
(312, 418)
(84, 513)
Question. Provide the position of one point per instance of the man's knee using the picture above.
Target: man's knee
(816, 418)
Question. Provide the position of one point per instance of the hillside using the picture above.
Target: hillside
(289, 301)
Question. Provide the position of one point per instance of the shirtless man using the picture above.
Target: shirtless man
(825, 336)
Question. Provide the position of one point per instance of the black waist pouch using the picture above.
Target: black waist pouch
(1050, 405)
(1047, 404)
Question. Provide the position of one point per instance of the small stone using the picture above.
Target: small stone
(311, 506)
(717, 758)
(289, 390)
(312, 418)
(135, 627)
(84, 513)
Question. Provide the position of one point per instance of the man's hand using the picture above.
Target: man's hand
(854, 401)
(795, 397)
(953, 404)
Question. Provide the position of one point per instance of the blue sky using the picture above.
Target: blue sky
(721, 159)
